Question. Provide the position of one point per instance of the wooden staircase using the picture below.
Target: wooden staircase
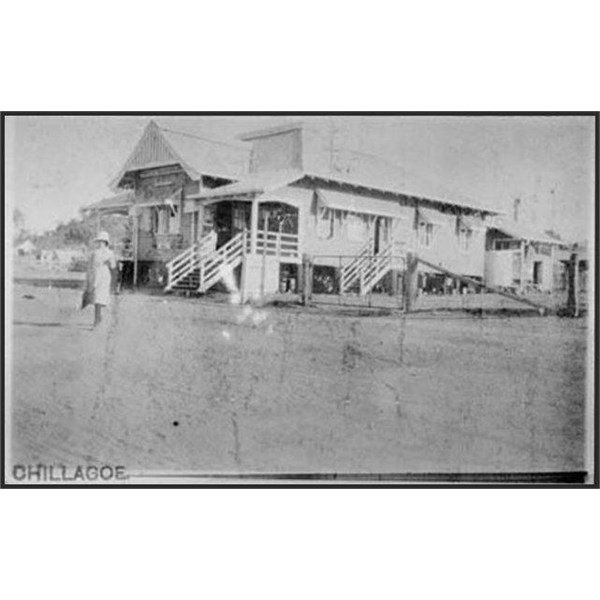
(365, 271)
(183, 271)
(220, 263)
(202, 265)
(350, 273)
(375, 269)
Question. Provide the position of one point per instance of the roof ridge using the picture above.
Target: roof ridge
(206, 139)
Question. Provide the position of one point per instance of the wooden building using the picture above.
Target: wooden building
(251, 223)
(522, 259)
(164, 168)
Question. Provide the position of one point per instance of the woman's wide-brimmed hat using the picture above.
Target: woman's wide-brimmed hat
(102, 237)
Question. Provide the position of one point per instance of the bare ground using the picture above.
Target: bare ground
(176, 385)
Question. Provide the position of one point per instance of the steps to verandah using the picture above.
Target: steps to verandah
(367, 269)
(199, 267)
(182, 269)
(202, 265)
(189, 283)
(220, 263)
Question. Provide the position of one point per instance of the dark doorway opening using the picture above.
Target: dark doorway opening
(537, 272)
(377, 240)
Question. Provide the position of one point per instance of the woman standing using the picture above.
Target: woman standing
(101, 263)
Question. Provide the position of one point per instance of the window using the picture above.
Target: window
(164, 220)
(155, 220)
(174, 221)
(357, 228)
(241, 218)
(507, 245)
(163, 182)
(325, 223)
(425, 234)
(464, 239)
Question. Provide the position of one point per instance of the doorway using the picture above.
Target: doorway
(537, 272)
(230, 218)
(381, 233)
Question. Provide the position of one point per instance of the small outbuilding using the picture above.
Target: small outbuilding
(520, 258)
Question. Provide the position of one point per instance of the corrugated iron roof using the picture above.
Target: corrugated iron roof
(259, 183)
(210, 157)
(524, 232)
(255, 183)
(197, 156)
(374, 171)
(361, 205)
(161, 147)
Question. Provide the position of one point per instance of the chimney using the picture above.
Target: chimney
(276, 148)
(516, 207)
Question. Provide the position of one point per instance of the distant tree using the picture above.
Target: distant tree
(81, 231)
(553, 234)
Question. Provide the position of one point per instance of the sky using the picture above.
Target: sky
(55, 165)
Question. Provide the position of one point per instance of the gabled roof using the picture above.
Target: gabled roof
(160, 147)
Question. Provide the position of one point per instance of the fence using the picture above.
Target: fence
(363, 281)
(409, 283)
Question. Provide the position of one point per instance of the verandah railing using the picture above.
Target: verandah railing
(286, 246)
(189, 260)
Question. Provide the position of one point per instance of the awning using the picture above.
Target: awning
(256, 183)
(522, 233)
(430, 217)
(360, 204)
(170, 202)
(471, 223)
(119, 204)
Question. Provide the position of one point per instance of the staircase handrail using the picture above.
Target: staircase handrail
(351, 272)
(227, 256)
(378, 266)
(190, 259)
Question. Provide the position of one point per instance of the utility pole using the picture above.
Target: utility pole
(573, 286)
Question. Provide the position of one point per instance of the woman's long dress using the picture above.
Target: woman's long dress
(102, 260)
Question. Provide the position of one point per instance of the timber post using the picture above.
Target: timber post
(307, 279)
(136, 243)
(572, 285)
(338, 278)
(263, 268)
(254, 225)
(409, 289)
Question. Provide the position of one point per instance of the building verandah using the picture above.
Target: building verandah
(243, 239)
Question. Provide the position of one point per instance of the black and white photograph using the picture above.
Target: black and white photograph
(301, 299)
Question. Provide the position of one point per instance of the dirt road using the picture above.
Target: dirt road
(175, 385)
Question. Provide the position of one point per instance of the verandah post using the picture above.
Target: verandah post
(253, 225)
(263, 269)
(572, 287)
(307, 277)
(135, 246)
